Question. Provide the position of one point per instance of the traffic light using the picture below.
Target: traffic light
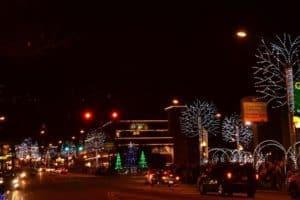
(88, 115)
(80, 148)
(114, 115)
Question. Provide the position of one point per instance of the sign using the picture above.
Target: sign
(253, 110)
(296, 121)
(297, 98)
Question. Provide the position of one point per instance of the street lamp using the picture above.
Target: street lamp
(218, 115)
(59, 142)
(175, 101)
(43, 132)
(73, 137)
(2, 118)
(241, 34)
(82, 131)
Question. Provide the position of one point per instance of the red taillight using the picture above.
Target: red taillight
(256, 176)
(229, 175)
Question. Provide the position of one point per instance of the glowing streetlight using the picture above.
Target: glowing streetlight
(218, 115)
(73, 137)
(59, 142)
(175, 101)
(82, 131)
(241, 34)
(2, 118)
(43, 132)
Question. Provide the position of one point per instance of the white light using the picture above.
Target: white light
(241, 34)
(248, 123)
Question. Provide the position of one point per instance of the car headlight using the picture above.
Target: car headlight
(15, 181)
(1, 180)
(23, 175)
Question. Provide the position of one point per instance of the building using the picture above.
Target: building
(152, 135)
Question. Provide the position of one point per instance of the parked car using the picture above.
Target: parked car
(228, 179)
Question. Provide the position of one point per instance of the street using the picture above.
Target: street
(82, 187)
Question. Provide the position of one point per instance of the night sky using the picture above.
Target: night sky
(58, 59)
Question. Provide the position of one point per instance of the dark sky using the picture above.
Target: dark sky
(59, 58)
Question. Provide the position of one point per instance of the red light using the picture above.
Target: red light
(114, 115)
(88, 115)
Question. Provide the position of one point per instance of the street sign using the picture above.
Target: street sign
(254, 110)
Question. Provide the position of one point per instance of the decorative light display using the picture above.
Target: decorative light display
(234, 131)
(277, 69)
(131, 157)
(94, 141)
(68, 149)
(28, 150)
(142, 161)
(198, 116)
(118, 164)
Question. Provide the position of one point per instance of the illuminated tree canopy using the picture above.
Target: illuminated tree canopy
(197, 116)
(94, 140)
(277, 69)
(234, 131)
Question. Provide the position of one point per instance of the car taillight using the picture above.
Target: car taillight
(256, 176)
(229, 175)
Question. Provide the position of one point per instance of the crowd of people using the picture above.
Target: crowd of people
(272, 175)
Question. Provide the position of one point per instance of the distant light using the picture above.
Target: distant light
(2, 118)
(175, 101)
(248, 123)
(80, 148)
(73, 137)
(81, 131)
(87, 115)
(59, 142)
(50, 145)
(42, 132)
(218, 115)
(67, 148)
(114, 115)
(241, 34)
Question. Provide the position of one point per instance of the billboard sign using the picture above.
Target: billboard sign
(254, 110)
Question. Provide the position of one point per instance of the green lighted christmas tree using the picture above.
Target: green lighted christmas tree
(118, 164)
(142, 161)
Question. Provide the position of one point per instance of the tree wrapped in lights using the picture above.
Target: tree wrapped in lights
(143, 161)
(234, 131)
(118, 164)
(277, 69)
(199, 119)
(94, 142)
(131, 157)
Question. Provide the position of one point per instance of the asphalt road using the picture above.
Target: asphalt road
(82, 187)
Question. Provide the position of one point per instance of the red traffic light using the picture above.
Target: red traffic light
(114, 115)
(88, 115)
